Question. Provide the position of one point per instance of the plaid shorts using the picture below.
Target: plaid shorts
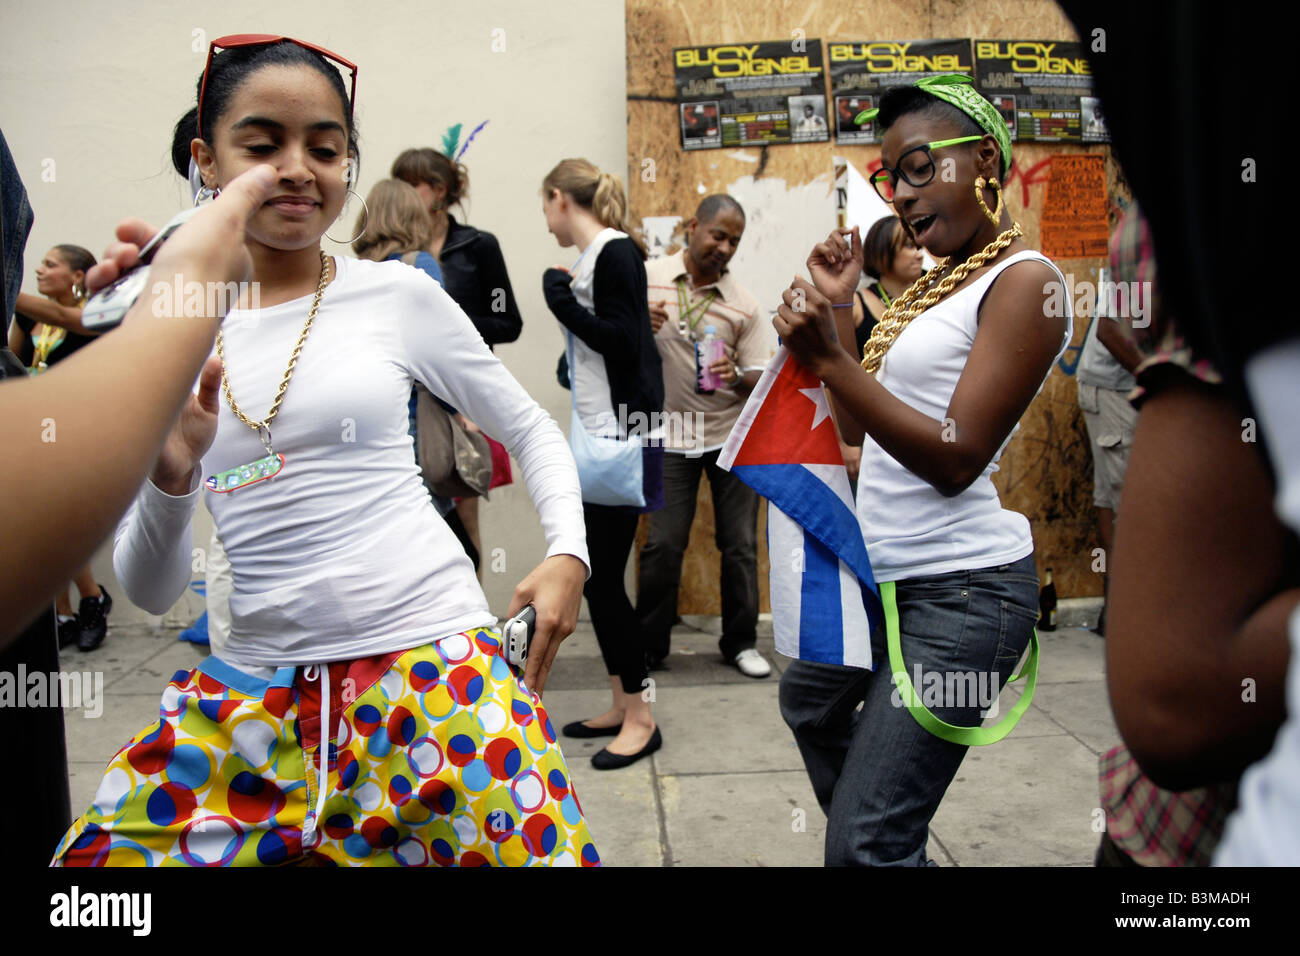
(436, 755)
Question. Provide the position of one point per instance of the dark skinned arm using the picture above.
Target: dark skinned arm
(1199, 593)
(1013, 351)
(743, 385)
(747, 383)
(45, 310)
(1111, 334)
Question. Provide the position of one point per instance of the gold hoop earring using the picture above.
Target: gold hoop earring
(365, 209)
(995, 215)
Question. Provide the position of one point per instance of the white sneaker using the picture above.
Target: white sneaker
(751, 663)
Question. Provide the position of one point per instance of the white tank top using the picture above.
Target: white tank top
(910, 529)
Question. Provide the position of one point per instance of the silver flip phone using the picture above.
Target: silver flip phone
(107, 307)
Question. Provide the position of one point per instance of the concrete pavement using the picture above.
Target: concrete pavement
(728, 788)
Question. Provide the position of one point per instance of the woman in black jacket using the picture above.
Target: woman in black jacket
(617, 378)
(473, 269)
(473, 273)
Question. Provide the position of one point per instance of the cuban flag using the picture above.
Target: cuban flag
(824, 596)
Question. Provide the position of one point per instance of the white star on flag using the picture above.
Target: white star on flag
(818, 397)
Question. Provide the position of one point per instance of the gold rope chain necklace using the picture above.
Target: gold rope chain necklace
(270, 466)
(923, 294)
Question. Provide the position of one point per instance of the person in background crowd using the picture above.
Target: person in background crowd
(616, 368)
(892, 262)
(1252, 338)
(949, 371)
(691, 292)
(1196, 654)
(34, 737)
(1184, 723)
(47, 329)
(1104, 379)
(330, 613)
(473, 273)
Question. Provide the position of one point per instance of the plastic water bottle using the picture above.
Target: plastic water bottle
(707, 351)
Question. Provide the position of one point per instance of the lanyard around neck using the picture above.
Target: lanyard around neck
(689, 315)
(51, 338)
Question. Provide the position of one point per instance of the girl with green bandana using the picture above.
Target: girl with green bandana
(934, 398)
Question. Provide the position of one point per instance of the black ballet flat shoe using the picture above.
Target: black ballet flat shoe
(581, 731)
(604, 760)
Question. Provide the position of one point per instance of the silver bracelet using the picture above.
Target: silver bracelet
(842, 305)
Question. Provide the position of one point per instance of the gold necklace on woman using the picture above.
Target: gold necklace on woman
(243, 475)
(923, 294)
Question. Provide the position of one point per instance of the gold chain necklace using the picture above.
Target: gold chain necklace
(263, 428)
(923, 294)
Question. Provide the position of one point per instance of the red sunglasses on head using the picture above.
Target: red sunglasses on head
(266, 39)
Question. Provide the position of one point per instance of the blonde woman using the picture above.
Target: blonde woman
(616, 373)
(395, 223)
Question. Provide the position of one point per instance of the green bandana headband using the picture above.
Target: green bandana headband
(958, 90)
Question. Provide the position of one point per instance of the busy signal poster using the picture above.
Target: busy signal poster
(861, 72)
(1043, 88)
(751, 94)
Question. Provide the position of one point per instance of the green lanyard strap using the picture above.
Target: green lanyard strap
(691, 314)
(967, 736)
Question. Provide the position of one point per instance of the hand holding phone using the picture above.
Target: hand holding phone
(107, 307)
(211, 248)
(517, 636)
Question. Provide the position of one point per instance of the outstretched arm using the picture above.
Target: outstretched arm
(457, 365)
(88, 431)
(1200, 594)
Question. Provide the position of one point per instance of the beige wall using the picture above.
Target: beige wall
(89, 93)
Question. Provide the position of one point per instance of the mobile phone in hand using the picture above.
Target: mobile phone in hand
(517, 636)
(107, 307)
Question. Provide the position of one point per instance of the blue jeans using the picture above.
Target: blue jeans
(878, 775)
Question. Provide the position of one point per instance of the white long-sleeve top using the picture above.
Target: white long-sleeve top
(343, 554)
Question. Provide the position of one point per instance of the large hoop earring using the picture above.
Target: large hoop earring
(204, 194)
(995, 215)
(365, 209)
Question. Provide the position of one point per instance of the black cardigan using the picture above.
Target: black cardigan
(473, 269)
(620, 328)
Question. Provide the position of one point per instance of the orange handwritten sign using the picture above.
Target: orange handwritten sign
(1074, 224)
